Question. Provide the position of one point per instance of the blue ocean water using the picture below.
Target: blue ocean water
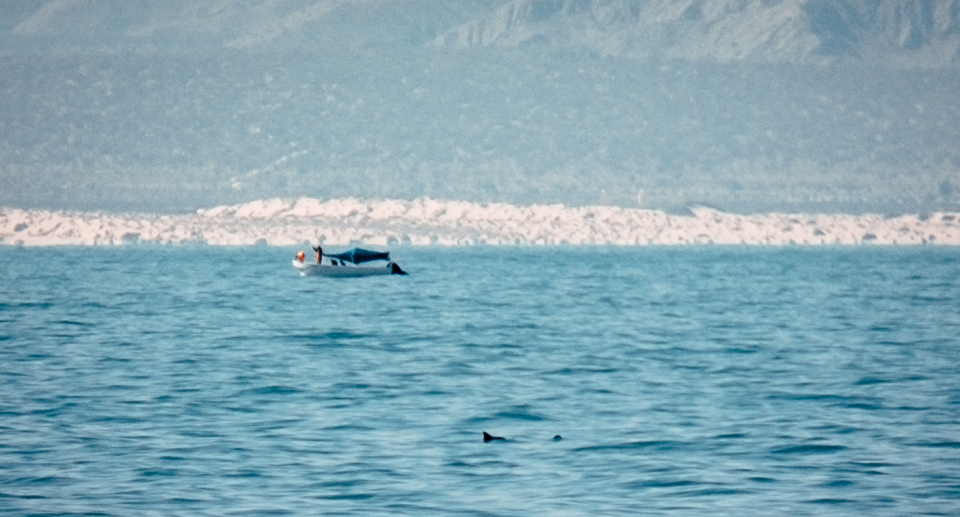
(683, 381)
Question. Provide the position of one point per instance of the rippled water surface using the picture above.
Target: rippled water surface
(683, 381)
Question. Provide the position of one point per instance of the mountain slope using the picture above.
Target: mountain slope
(901, 32)
(178, 104)
(187, 25)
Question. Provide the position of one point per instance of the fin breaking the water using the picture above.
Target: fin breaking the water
(488, 438)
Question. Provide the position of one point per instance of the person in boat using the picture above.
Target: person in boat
(319, 251)
(300, 256)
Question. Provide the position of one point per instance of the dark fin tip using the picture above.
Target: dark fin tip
(488, 438)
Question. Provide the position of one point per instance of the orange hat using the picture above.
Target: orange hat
(300, 256)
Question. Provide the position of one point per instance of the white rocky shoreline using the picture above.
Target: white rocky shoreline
(287, 222)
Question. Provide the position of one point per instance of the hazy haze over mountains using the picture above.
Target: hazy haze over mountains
(746, 106)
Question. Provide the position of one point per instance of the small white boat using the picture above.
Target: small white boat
(356, 256)
(341, 271)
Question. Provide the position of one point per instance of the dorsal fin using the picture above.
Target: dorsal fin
(487, 437)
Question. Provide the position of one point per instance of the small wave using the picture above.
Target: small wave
(873, 464)
(73, 323)
(4, 495)
(284, 222)
(941, 445)
(25, 305)
(662, 484)
(347, 427)
(866, 381)
(328, 339)
(838, 483)
(709, 492)
(520, 415)
(830, 501)
(654, 444)
(809, 449)
(862, 405)
(347, 497)
(158, 472)
(271, 390)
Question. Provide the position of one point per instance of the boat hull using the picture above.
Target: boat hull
(339, 271)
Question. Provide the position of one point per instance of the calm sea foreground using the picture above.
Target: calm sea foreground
(141, 380)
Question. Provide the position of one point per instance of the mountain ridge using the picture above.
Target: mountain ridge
(905, 32)
(901, 33)
(189, 103)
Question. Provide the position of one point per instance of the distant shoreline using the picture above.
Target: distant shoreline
(424, 222)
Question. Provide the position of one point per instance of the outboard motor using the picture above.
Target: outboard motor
(395, 269)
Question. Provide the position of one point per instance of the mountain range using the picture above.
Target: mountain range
(744, 105)
(900, 33)
(908, 33)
